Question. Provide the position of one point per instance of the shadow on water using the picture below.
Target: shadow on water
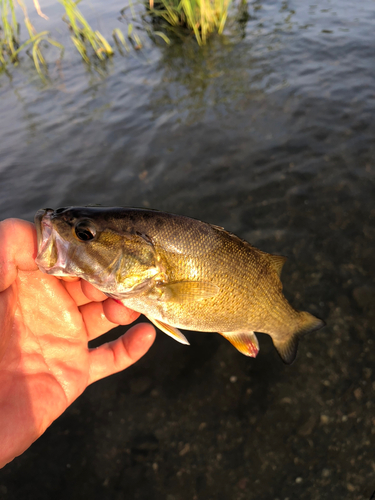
(210, 82)
(204, 83)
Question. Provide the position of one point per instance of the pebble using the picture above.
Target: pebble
(185, 450)
(324, 419)
(358, 394)
(326, 472)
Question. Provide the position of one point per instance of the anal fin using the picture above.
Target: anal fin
(170, 330)
(246, 342)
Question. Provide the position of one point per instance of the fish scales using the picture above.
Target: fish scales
(218, 254)
(178, 271)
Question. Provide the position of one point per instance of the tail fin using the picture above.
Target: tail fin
(287, 347)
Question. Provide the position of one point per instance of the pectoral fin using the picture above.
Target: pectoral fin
(186, 291)
(246, 343)
(170, 330)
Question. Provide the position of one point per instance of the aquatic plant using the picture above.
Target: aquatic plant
(82, 33)
(10, 46)
(83, 36)
(201, 17)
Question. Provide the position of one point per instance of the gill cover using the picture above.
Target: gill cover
(135, 264)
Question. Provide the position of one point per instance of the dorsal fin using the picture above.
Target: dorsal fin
(277, 262)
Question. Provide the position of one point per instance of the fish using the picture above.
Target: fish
(181, 273)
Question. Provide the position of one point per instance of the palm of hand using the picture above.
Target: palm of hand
(45, 363)
(47, 357)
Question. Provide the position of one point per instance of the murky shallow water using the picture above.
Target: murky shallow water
(271, 136)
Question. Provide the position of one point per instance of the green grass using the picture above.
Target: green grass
(199, 17)
(10, 46)
(84, 35)
(202, 17)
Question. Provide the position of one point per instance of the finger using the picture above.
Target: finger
(95, 320)
(118, 313)
(98, 321)
(92, 293)
(70, 278)
(8, 303)
(17, 251)
(75, 291)
(121, 353)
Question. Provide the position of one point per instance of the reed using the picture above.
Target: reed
(9, 41)
(83, 34)
(10, 46)
(202, 17)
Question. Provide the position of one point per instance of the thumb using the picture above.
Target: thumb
(18, 249)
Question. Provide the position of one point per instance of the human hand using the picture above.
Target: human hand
(45, 325)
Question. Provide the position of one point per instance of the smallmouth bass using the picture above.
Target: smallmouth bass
(177, 271)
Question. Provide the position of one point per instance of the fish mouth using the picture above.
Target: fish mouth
(52, 249)
(43, 229)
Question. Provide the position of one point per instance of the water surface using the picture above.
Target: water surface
(268, 132)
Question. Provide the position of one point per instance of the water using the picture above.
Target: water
(268, 132)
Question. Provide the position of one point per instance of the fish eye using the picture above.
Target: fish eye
(85, 231)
